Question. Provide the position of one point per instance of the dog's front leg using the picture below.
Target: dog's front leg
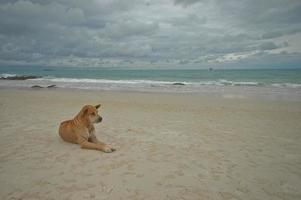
(85, 144)
(94, 139)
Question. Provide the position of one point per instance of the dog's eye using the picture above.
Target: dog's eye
(92, 114)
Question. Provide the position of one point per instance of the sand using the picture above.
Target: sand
(169, 146)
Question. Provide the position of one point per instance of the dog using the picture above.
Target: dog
(80, 130)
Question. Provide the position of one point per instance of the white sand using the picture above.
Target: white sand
(168, 147)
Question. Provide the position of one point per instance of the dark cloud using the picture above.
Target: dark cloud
(148, 33)
(187, 2)
(268, 46)
(126, 28)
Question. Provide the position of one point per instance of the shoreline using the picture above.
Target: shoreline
(231, 92)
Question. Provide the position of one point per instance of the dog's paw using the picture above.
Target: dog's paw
(112, 148)
(107, 149)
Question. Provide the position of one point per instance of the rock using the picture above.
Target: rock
(36, 86)
(51, 86)
(23, 77)
(178, 84)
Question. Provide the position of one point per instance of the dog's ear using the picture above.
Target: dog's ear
(84, 110)
(97, 106)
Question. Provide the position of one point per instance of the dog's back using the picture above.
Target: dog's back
(66, 131)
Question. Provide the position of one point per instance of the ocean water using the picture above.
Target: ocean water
(154, 80)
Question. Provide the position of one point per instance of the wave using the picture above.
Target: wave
(86, 82)
(220, 82)
(239, 83)
(289, 85)
(6, 75)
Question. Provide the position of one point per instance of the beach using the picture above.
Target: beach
(200, 100)
(169, 146)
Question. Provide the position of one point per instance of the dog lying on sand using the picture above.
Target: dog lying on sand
(80, 130)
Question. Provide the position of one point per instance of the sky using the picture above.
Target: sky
(179, 34)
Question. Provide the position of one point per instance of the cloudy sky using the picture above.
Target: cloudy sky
(151, 33)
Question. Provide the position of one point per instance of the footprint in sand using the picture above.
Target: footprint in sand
(170, 176)
(179, 173)
(139, 175)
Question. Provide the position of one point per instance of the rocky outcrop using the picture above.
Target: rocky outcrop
(178, 84)
(39, 87)
(36, 86)
(21, 78)
(51, 86)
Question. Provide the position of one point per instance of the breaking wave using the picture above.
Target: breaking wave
(87, 83)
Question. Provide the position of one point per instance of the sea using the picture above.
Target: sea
(159, 80)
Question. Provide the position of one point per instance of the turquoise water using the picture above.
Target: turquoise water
(265, 83)
(241, 77)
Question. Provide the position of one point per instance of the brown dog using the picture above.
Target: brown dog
(80, 130)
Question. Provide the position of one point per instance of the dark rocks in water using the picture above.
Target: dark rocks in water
(36, 86)
(21, 78)
(178, 84)
(51, 86)
(39, 87)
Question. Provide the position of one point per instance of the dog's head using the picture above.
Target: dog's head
(90, 113)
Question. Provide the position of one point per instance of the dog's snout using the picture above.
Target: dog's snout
(99, 118)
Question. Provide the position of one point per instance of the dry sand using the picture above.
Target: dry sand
(168, 147)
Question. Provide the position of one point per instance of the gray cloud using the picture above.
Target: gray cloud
(268, 46)
(149, 33)
(187, 2)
